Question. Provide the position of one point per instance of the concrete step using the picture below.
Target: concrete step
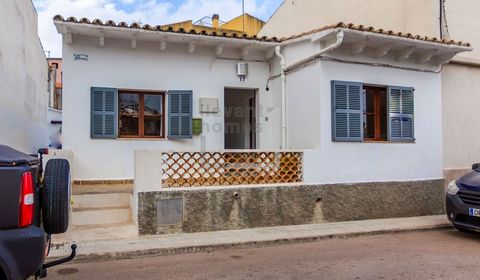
(102, 188)
(101, 200)
(96, 232)
(101, 216)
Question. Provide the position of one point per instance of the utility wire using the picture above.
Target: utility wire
(444, 34)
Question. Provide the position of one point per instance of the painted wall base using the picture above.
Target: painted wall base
(212, 209)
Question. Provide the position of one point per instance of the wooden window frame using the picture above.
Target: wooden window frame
(141, 113)
(377, 113)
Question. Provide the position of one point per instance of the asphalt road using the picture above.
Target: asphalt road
(442, 254)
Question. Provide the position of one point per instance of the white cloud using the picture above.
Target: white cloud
(151, 11)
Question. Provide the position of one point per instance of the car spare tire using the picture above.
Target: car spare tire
(56, 196)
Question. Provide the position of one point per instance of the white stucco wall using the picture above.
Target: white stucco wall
(54, 129)
(463, 24)
(23, 79)
(460, 84)
(116, 65)
(461, 101)
(364, 162)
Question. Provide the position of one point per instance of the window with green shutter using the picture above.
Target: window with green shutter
(103, 113)
(347, 113)
(180, 114)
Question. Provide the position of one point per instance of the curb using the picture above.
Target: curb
(109, 256)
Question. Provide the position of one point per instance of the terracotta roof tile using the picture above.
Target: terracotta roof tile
(96, 22)
(147, 27)
(123, 24)
(244, 36)
(371, 29)
(166, 29)
(135, 25)
(84, 20)
(110, 23)
(72, 19)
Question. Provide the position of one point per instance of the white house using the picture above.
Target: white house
(441, 19)
(133, 67)
(393, 132)
(342, 104)
(151, 64)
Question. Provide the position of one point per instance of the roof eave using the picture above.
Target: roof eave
(64, 27)
(321, 35)
(412, 41)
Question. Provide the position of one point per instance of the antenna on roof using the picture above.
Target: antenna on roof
(243, 15)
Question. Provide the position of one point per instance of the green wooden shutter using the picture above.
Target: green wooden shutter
(103, 113)
(347, 111)
(180, 114)
(401, 114)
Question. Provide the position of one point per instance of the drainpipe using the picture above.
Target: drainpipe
(284, 69)
(283, 77)
(314, 57)
(52, 79)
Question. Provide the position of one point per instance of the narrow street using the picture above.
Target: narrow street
(441, 254)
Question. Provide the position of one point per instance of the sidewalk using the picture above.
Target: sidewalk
(207, 241)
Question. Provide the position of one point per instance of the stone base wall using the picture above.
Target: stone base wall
(228, 208)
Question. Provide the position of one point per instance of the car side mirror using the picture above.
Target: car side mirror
(475, 166)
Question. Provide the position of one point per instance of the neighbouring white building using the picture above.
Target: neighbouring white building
(23, 79)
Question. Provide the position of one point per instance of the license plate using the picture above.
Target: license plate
(474, 212)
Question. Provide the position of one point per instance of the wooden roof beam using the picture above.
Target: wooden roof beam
(101, 40)
(69, 36)
(163, 45)
(133, 42)
(219, 49)
(358, 47)
(405, 54)
(191, 47)
(245, 51)
(426, 56)
(382, 50)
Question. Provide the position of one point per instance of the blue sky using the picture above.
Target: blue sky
(131, 5)
(146, 11)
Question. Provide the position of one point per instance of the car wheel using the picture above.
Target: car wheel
(56, 196)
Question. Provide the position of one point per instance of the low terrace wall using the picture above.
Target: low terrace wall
(166, 209)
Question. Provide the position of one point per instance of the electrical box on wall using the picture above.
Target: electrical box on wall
(208, 105)
(242, 70)
(196, 126)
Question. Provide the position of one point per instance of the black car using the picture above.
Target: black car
(33, 206)
(463, 201)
